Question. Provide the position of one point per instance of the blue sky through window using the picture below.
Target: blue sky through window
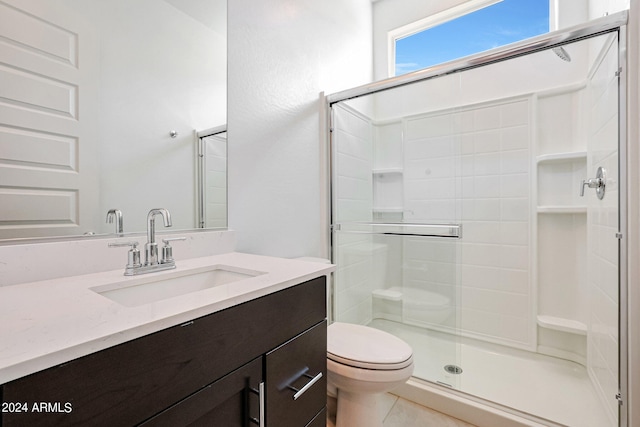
(505, 22)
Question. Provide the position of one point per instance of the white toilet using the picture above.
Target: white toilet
(363, 363)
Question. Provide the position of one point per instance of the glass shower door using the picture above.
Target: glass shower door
(395, 226)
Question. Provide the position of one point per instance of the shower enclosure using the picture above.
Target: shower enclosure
(476, 215)
(211, 172)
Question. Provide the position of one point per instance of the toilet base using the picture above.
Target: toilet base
(358, 410)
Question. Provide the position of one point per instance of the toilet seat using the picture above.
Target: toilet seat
(363, 347)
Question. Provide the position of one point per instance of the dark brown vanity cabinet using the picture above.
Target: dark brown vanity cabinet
(205, 372)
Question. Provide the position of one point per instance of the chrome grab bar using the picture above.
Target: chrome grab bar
(401, 229)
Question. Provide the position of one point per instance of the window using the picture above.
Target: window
(501, 23)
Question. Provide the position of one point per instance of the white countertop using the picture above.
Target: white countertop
(43, 324)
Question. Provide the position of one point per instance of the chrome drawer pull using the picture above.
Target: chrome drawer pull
(300, 392)
(260, 393)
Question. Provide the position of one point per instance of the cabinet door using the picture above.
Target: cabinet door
(296, 379)
(228, 402)
(320, 420)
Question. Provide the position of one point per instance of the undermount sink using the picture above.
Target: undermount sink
(145, 290)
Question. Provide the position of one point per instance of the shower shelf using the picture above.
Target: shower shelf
(561, 324)
(562, 209)
(562, 157)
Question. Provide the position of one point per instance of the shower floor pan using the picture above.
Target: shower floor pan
(547, 387)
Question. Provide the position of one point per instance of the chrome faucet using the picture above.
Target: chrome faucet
(151, 248)
(117, 214)
(151, 262)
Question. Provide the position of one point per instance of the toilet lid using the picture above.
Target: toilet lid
(365, 347)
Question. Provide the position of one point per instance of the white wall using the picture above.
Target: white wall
(599, 8)
(563, 13)
(282, 54)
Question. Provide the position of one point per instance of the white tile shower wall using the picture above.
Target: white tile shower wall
(388, 193)
(353, 146)
(472, 165)
(602, 226)
(216, 182)
(387, 153)
(388, 170)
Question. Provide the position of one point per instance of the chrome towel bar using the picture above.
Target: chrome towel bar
(401, 229)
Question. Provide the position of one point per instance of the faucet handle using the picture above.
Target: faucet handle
(599, 183)
(133, 245)
(167, 250)
(133, 257)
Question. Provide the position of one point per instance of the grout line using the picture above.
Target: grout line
(395, 402)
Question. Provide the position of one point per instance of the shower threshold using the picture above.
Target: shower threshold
(543, 386)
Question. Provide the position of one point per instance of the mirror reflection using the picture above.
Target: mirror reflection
(212, 178)
(102, 101)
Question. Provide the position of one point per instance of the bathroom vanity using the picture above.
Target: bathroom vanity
(256, 354)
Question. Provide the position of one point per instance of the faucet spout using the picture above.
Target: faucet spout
(151, 248)
(151, 222)
(117, 214)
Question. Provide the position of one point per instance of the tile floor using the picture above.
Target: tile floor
(399, 412)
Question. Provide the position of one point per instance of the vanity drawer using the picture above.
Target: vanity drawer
(131, 382)
(227, 402)
(296, 379)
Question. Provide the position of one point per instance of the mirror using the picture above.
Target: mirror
(102, 101)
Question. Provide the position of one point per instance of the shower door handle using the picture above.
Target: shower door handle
(599, 183)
